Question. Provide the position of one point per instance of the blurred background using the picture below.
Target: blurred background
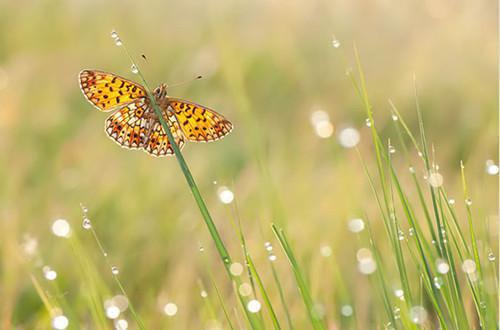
(271, 67)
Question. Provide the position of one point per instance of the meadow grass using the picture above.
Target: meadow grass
(282, 254)
(437, 267)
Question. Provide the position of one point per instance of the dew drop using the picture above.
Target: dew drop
(226, 260)
(395, 117)
(49, 273)
(438, 282)
(401, 235)
(420, 154)
(170, 309)
(335, 43)
(435, 179)
(451, 201)
(86, 224)
(253, 306)
(203, 294)
(442, 266)
(118, 42)
(418, 314)
(348, 137)
(469, 266)
(226, 196)
(121, 324)
(411, 169)
(468, 201)
(112, 312)
(134, 68)
(268, 246)
(115, 270)
(392, 150)
(61, 228)
(114, 35)
(491, 256)
(236, 269)
(346, 310)
(356, 225)
(272, 257)
(368, 122)
(396, 312)
(411, 231)
(202, 249)
(60, 322)
(399, 293)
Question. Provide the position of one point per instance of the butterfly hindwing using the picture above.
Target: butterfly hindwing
(199, 123)
(107, 91)
(157, 143)
(129, 125)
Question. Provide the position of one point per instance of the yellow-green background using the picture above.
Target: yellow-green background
(267, 64)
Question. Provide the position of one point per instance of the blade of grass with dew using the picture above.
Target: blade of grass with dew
(299, 278)
(214, 233)
(263, 292)
(253, 274)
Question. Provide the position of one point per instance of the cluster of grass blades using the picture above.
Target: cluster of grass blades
(439, 264)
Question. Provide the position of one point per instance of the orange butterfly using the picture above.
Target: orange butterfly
(134, 123)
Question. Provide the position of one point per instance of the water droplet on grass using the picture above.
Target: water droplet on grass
(468, 201)
(469, 266)
(49, 273)
(112, 312)
(442, 266)
(394, 117)
(118, 42)
(411, 169)
(134, 68)
(348, 137)
(253, 306)
(86, 224)
(226, 196)
(346, 310)
(272, 257)
(325, 250)
(438, 282)
(236, 269)
(335, 43)
(170, 309)
(115, 270)
(491, 167)
(60, 322)
(418, 314)
(451, 201)
(491, 256)
(61, 228)
(121, 324)
(368, 122)
(392, 150)
(435, 179)
(356, 225)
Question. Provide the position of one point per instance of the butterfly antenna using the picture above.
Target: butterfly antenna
(185, 82)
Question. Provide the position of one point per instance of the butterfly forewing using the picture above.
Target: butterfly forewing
(199, 123)
(107, 91)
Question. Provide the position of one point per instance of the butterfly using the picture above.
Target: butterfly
(135, 125)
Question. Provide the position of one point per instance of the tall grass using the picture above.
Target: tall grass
(437, 264)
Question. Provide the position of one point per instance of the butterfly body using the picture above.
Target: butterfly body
(135, 125)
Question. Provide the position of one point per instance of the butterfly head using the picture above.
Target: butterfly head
(160, 92)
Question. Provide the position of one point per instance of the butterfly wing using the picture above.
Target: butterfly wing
(199, 123)
(157, 143)
(107, 91)
(129, 125)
